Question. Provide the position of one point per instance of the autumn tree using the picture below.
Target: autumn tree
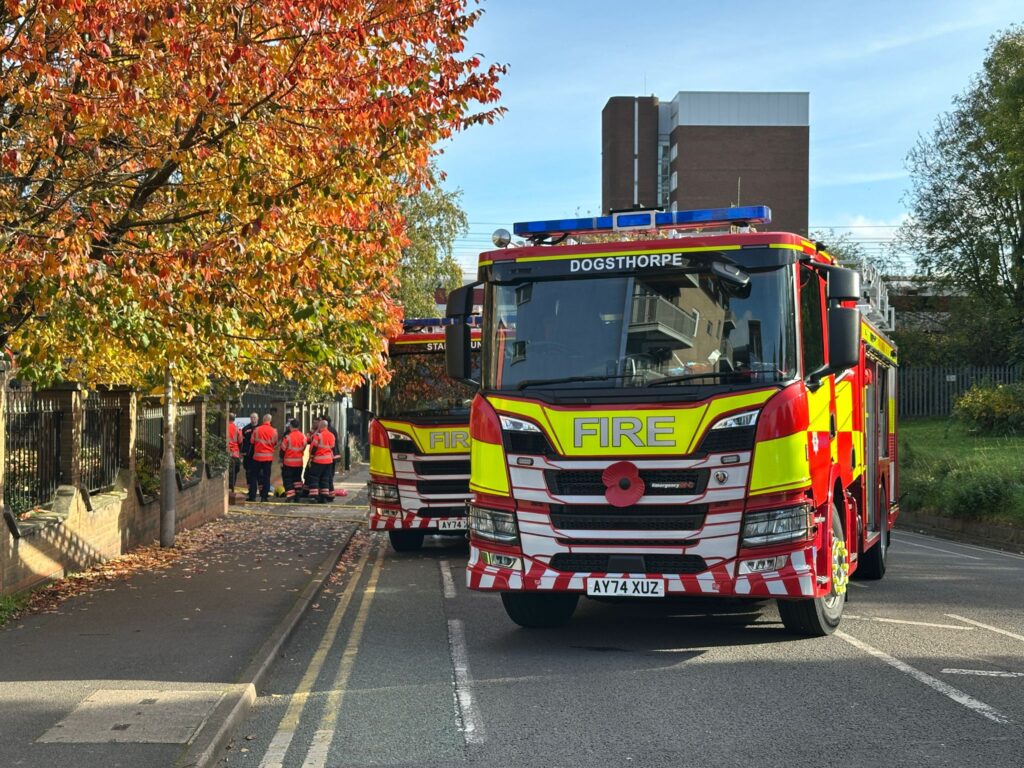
(216, 186)
(966, 230)
(212, 189)
(434, 219)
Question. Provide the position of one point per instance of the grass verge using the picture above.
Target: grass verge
(947, 471)
(11, 606)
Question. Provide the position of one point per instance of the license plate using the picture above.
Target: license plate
(455, 524)
(626, 587)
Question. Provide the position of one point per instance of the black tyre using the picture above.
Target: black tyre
(406, 541)
(872, 562)
(819, 616)
(532, 610)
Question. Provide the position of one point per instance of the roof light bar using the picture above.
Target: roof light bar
(629, 220)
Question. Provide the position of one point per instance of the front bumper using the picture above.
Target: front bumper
(795, 579)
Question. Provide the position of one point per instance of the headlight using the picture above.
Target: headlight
(517, 425)
(777, 526)
(746, 419)
(398, 435)
(493, 525)
(385, 492)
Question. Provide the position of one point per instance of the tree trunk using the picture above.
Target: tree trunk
(168, 478)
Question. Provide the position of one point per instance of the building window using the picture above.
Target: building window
(674, 153)
(673, 182)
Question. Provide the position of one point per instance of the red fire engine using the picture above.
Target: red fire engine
(419, 441)
(698, 414)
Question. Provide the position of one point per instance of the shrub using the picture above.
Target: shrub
(992, 409)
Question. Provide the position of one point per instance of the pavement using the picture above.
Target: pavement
(403, 666)
(155, 669)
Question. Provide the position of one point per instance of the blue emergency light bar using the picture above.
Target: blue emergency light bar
(627, 220)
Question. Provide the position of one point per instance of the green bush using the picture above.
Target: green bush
(988, 409)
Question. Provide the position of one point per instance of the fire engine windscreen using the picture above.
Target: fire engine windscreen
(679, 329)
(420, 387)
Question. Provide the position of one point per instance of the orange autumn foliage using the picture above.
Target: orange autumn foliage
(215, 185)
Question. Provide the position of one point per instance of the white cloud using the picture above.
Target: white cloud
(867, 177)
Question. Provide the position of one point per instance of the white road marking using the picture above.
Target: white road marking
(471, 724)
(944, 551)
(905, 621)
(986, 550)
(945, 689)
(857, 584)
(982, 672)
(989, 627)
(446, 579)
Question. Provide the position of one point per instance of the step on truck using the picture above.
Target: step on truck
(419, 440)
(674, 410)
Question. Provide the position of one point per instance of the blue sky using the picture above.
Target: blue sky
(878, 74)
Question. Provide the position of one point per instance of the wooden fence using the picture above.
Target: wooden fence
(934, 391)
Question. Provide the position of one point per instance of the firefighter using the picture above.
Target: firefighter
(293, 452)
(234, 450)
(264, 441)
(337, 455)
(321, 463)
(246, 450)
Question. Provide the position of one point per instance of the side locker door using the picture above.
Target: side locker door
(871, 447)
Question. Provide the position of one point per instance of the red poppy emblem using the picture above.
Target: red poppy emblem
(623, 484)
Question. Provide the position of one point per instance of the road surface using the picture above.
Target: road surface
(401, 665)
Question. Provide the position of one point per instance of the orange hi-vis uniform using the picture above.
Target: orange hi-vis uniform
(293, 446)
(234, 440)
(322, 465)
(264, 441)
(323, 447)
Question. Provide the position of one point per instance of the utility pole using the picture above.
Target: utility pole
(168, 479)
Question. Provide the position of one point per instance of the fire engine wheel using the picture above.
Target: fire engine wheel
(532, 610)
(406, 541)
(872, 562)
(819, 616)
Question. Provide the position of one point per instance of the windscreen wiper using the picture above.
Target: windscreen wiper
(570, 379)
(691, 376)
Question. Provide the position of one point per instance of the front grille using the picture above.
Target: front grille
(452, 467)
(727, 440)
(530, 443)
(587, 482)
(653, 517)
(459, 511)
(400, 445)
(443, 486)
(576, 562)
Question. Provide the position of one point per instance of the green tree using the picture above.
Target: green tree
(433, 220)
(966, 231)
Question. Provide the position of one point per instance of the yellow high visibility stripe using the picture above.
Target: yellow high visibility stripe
(780, 464)
(488, 470)
(688, 424)
(432, 440)
(380, 461)
(635, 252)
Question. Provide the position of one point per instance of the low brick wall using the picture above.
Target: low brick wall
(74, 537)
(980, 532)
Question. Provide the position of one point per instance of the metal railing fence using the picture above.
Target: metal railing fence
(101, 443)
(32, 457)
